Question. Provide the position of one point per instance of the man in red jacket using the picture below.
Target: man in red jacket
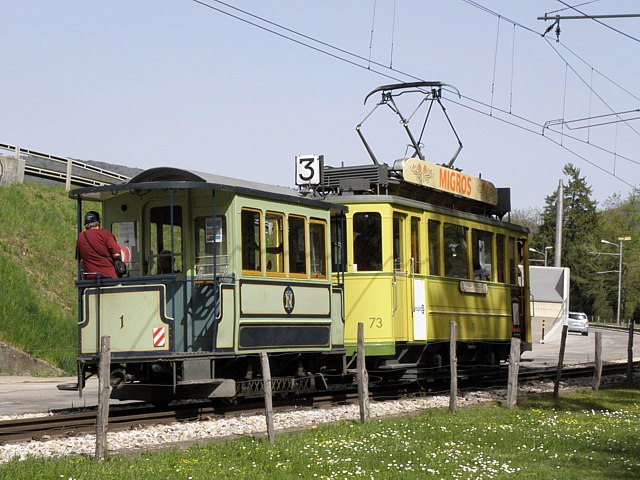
(97, 248)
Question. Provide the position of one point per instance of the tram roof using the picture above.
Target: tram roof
(421, 205)
(163, 178)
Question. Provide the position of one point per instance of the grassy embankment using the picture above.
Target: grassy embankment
(584, 436)
(37, 271)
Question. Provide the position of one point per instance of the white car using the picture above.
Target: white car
(578, 322)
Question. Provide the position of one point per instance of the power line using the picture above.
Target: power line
(539, 128)
(599, 72)
(579, 5)
(587, 85)
(595, 19)
(582, 157)
(496, 14)
(307, 37)
(405, 74)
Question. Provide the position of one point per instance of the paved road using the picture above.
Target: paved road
(39, 394)
(36, 394)
(581, 349)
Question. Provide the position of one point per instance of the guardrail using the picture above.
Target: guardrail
(62, 169)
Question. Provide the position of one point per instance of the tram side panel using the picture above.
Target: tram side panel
(483, 315)
(284, 298)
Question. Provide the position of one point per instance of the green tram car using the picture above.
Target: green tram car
(219, 270)
(428, 245)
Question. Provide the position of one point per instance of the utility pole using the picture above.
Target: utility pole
(559, 210)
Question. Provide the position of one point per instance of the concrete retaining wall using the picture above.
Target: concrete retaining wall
(16, 362)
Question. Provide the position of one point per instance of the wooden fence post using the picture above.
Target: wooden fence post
(453, 397)
(268, 400)
(630, 353)
(563, 343)
(362, 377)
(514, 366)
(597, 373)
(104, 390)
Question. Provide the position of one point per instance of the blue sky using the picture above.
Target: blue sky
(175, 83)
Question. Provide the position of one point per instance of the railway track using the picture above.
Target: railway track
(68, 424)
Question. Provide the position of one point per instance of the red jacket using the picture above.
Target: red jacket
(97, 259)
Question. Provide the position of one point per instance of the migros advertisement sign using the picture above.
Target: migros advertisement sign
(448, 180)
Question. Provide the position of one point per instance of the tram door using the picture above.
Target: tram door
(164, 258)
(401, 286)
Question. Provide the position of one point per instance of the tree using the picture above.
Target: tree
(579, 232)
(527, 217)
(621, 218)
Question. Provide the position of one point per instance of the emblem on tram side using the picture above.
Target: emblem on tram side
(288, 300)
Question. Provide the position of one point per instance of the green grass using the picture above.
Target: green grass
(584, 436)
(37, 271)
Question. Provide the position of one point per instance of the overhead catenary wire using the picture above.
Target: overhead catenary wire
(599, 72)
(373, 23)
(393, 34)
(495, 60)
(534, 127)
(630, 37)
(564, 98)
(522, 127)
(496, 14)
(513, 54)
(569, 7)
(307, 37)
(395, 74)
(585, 83)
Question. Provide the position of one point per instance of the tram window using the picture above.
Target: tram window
(456, 262)
(337, 235)
(274, 241)
(126, 234)
(165, 255)
(367, 242)
(500, 257)
(398, 257)
(318, 248)
(512, 260)
(251, 244)
(208, 235)
(415, 244)
(434, 247)
(297, 246)
(522, 245)
(482, 247)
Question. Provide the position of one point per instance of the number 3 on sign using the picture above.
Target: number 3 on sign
(309, 169)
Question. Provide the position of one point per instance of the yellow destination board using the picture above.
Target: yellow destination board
(448, 180)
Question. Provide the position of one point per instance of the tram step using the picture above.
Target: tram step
(67, 386)
(398, 366)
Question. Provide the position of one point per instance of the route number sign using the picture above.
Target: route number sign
(309, 170)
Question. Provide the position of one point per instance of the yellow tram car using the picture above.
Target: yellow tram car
(426, 245)
(420, 256)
